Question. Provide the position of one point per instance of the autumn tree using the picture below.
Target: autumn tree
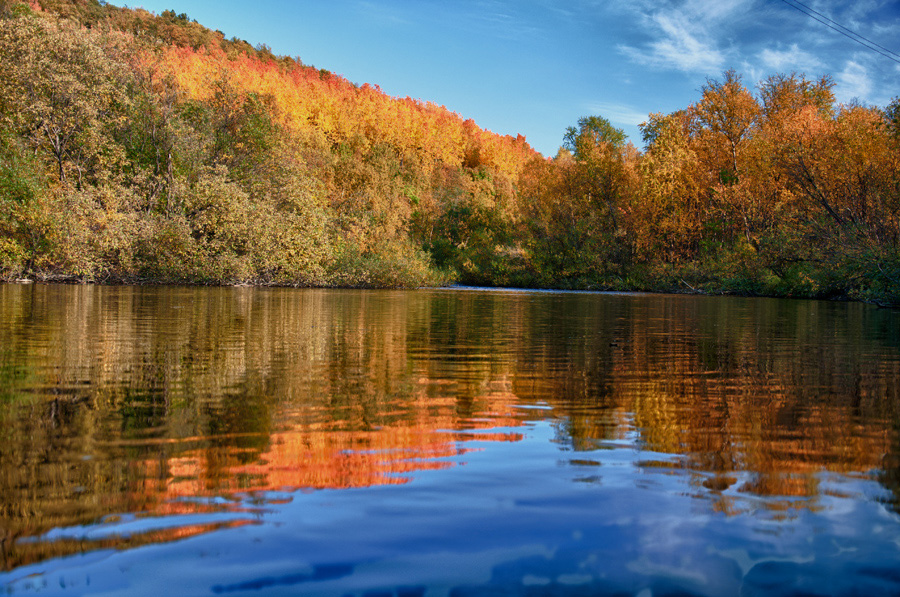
(728, 112)
(782, 95)
(668, 217)
(155, 133)
(62, 93)
(575, 217)
(136, 146)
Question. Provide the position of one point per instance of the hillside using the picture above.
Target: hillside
(147, 148)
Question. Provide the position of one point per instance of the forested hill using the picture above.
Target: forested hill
(147, 148)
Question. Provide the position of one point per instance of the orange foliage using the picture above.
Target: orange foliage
(307, 100)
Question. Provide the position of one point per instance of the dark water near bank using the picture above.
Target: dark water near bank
(451, 442)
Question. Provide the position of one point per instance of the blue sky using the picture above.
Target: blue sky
(535, 66)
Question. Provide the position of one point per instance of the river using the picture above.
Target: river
(445, 442)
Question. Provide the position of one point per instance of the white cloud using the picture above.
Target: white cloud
(686, 36)
(792, 59)
(619, 114)
(752, 73)
(853, 82)
(716, 11)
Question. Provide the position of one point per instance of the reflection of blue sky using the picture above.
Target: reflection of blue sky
(486, 527)
(535, 66)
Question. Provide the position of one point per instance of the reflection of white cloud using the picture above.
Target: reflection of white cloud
(793, 59)
(619, 114)
(852, 82)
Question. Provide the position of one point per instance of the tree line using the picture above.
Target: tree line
(146, 148)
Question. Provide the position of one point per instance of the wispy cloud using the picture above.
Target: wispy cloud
(685, 36)
(499, 19)
(792, 59)
(619, 114)
(383, 15)
(853, 82)
(678, 47)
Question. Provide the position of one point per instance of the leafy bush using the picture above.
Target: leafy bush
(396, 265)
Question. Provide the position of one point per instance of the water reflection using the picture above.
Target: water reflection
(177, 403)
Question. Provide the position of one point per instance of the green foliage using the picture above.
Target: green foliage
(594, 130)
(396, 265)
(22, 186)
(576, 234)
(21, 180)
(471, 237)
(656, 125)
(62, 94)
(892, 118)
(13, 8)
(870, 270)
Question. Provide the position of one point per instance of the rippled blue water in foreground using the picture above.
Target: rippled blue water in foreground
(241, 441)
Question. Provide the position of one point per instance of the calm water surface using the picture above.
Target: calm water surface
(447, 442)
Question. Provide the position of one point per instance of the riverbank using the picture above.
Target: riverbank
(683, 288)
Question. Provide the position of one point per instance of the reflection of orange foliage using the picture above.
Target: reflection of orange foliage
(360, 402)
(335, 459)
(320, 457)
(742, 418)
(737, 416)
